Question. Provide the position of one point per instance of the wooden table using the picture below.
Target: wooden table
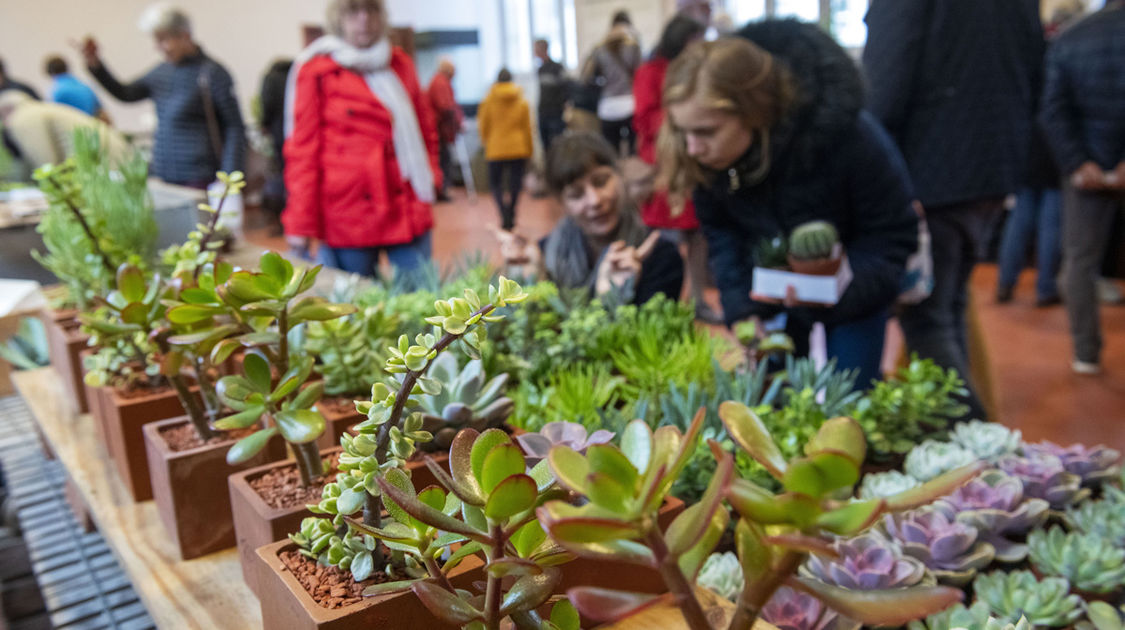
(205, 593)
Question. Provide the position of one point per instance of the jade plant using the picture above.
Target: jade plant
(625, 486)
(976, 617)
(466, 400)
(932, 458)
(537, 445)
(988, 440)
(994, 504)
(950, 549)
(1017, 595)
(120, 329)
(1090, 562)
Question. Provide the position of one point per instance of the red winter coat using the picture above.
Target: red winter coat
(647, 118)
(344, 184)
(446, 109)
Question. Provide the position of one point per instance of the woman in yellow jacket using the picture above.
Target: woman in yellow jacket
(504, 119)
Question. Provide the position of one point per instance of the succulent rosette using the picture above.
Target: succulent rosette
(1105, 518)
(949, 549)
(1044, 477)
(866, 562)
(572, 434)
(722, 573)
(1094, 464)
(932, 458)
(988, 440)
(886, 484)
(994, 504)
(1091, 563)
(1017, 595)
(976, 617)
(793, 610)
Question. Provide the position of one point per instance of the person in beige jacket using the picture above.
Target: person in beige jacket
(504, 119)
(44, 132)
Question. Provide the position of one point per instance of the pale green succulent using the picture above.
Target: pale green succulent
(1105, 518)
(886, 484)
(1018, 595)
(1102, 616)
(932, 458)
(976, 617)
(1090, 562)
(986, 439)
(722, 573)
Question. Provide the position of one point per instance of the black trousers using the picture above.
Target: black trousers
(506, 196)
(618, 132)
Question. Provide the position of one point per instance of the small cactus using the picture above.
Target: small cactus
(813, 241)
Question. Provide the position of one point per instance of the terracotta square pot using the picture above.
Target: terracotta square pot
(337, 421)
(190, 489)
(257, 524)
(64, 343)
(123, 419)
(286, 605)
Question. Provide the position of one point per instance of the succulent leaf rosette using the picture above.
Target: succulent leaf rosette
(537, 445)
(886, 484)
(722, 573)
(948, 548)
(1044, 477)
(1093, 464)
(976, 617)
(987, 440)
(932, 458)
(866, 562)
(1018, 595)
(994, 504)
(789, 609)
(465, 400)
(1090, 562)
(1105, 518)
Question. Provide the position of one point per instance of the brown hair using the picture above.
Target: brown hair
(574, 154)
(338, 8)
(735, 76)
(55, 65)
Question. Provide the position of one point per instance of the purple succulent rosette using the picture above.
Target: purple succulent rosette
(572, 434)
(867, 562)
(789, 609)
(1093, 464)
(950, 549)
(995, 505)
(1044, 477)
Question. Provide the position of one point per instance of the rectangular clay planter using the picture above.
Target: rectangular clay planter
(190, 490)
(336, 425)
(286, 605)
(123, 419)
(64, 342)
(257, 524)
(620, 575)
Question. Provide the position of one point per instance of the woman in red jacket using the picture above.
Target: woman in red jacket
(657, 211)
(362, 148)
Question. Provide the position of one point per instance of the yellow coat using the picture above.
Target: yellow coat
(504, 119)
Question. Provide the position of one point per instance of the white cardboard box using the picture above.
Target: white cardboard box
(827, 290)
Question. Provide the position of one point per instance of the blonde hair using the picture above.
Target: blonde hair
(732, 75)
(338, 8)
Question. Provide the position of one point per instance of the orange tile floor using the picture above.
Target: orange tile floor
(1028, 348)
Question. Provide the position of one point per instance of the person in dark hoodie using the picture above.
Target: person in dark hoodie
(768, 132)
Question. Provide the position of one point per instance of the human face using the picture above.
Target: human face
(174, 46)
(715, 138)
(364, 27)
(594, 202)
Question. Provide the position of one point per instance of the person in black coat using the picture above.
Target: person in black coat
(953, 82)
(767, 131)
(600, 243)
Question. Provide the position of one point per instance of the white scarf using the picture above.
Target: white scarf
(374, 64)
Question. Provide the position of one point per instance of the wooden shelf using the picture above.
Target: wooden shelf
(204, 593)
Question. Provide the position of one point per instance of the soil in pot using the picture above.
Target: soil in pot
(189, 478)
(328, 586)
(281, 487)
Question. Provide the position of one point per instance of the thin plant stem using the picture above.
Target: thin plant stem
(757, 593)
(493, 592)
(436, 573)
(211, 227)
(308, 462)
(196, 413)
(677, 583)
(85, 226)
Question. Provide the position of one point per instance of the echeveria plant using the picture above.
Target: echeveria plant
(987, 440)
(537, 445)
(1044, 477)
(1090, 562)
(994, 504)
(1105, 518)
(722, 573)
(867, 562)
(466, 400)
(1093, 464)
(932, 458)
(1012, 596)
(886, 484)
(791, 609)
(976, 617)
(949, 548)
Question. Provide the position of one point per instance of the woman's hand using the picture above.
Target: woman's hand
(622, 262)
(790, 300)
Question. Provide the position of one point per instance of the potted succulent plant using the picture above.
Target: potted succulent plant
(816, 268)
(1044, 603)
(1091, 564)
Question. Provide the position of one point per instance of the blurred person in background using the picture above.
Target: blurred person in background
(611, 67)
(1083, 118)
(600, 243)
(272, 97)
(8, 83)
(199, 126)
(449, 119)
(68, 90)
(554, 92)
(43, 133)
(676, 219)
(953, 83)
(504, 120)
(767, 132)
(361, 149)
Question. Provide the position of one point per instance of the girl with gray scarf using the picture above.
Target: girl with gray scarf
(601, 242)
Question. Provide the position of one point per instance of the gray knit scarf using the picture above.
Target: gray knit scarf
(566, 253)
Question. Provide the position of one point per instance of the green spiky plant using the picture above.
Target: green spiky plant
(814, 240)
(625, 486)
(349, 349)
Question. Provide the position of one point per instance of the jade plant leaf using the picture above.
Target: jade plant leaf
(607, 605)
(245, 449)
(936, 488)
(515, 494)
(751, 434)
(435, 518)
(691, 525)
(636, 444)
(389, 588)
(819, 474)
(299, 426)
(841, 435)
(241, 420)
(881, 608)
(530, 591)
(445, 605)
(482, 445)
(257, 371)
(318, 310)
(502, 462)
(569, 467)
(852, 518)
(131, 283)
